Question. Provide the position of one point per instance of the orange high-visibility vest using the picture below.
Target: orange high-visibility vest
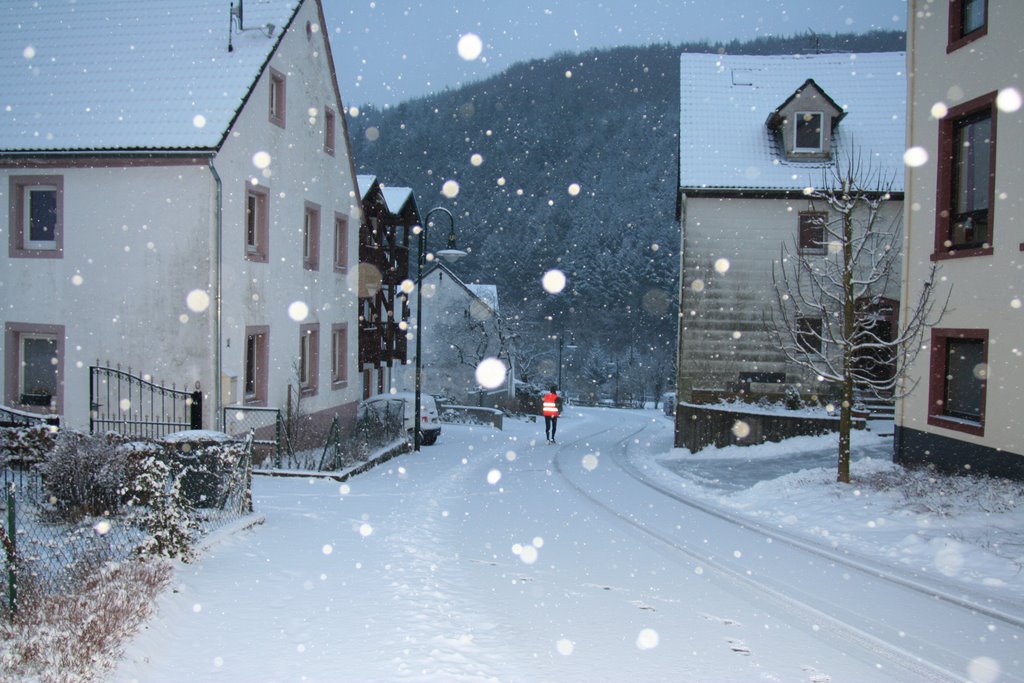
(550, 406)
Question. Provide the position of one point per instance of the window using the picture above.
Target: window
(966, 179)
(34, 357)
(309, 358)
(812, 232)
(808, 334)
(255, 363)
(339, 355)
(311, 237)
(329, 130)
(968, 21)
(959, 373)
(340, 243)
(36, 217)
(277, 97)
(257, 223)
(808, 131)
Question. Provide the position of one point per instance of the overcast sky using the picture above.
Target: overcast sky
(388, 51)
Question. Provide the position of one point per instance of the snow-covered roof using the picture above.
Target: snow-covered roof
(486, 293)
(725, 101)
(129, 75)
(365, 183)
(396, 197)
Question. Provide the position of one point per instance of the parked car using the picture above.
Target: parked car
(390, 404)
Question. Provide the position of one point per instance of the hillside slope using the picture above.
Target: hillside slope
(606, 121)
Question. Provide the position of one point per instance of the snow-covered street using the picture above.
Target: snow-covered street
(494, 556)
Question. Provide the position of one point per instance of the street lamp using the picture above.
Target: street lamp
(451, 254)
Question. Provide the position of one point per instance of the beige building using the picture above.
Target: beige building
(965, 211)
(755, 133)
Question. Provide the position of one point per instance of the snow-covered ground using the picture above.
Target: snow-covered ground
(493, 556)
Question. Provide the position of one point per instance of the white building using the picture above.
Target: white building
(461, 327)
(964, 211)
(182, 202)
(755, 132)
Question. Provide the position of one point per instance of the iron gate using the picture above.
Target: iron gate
(122, 402)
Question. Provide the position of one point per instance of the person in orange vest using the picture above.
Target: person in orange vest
(551, 408)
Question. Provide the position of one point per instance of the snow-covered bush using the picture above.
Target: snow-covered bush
(161, 509)
(927, 491)
(85, 474)
(792, 399)
(26, 445)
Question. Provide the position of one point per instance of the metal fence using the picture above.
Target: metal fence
(128, 404)
(10, 417)
(270, 438)
(46, 551)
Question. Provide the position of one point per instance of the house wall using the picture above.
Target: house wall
(140, 235)
(135, 244)
(452, 317)
(722, 326)
(300, 172)
(986, 289)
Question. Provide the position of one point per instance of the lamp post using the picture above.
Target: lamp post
(571, 347)
(451, 254)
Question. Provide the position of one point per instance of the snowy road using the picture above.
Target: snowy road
(494, 557)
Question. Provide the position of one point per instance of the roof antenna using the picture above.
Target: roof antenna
(237, 12)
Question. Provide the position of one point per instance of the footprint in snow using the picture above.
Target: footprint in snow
(722, 620)
(739, 647)
(641, 605)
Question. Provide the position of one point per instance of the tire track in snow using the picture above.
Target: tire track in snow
(822, 624)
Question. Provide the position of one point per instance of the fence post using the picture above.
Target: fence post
(11, 549)
(196, 413)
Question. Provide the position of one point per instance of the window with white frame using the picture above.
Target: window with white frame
(311, 237)
(340, 243)
(255, 364)
(308, 365)
(329, 130)
(34, 356)
(339, 355)
(277, 97)
(808, 131)
(257, 223)
(36, 217)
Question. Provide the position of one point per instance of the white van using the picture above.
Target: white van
(430, 422)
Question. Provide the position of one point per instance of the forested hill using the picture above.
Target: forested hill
(606, 121)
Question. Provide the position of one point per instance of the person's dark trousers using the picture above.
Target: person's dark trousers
(550, 425)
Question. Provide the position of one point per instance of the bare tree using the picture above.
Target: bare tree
(836, 294)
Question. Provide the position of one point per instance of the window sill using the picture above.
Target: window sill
(966, 40)
(36, 253)
(254, 401)
(336, 385)
(961, 253)
(256, 257)
(957, 424)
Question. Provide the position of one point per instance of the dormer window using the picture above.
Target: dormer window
(804, 123)
(808, 131)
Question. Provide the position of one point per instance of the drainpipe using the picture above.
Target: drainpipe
(218, 211)
(909, 177)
